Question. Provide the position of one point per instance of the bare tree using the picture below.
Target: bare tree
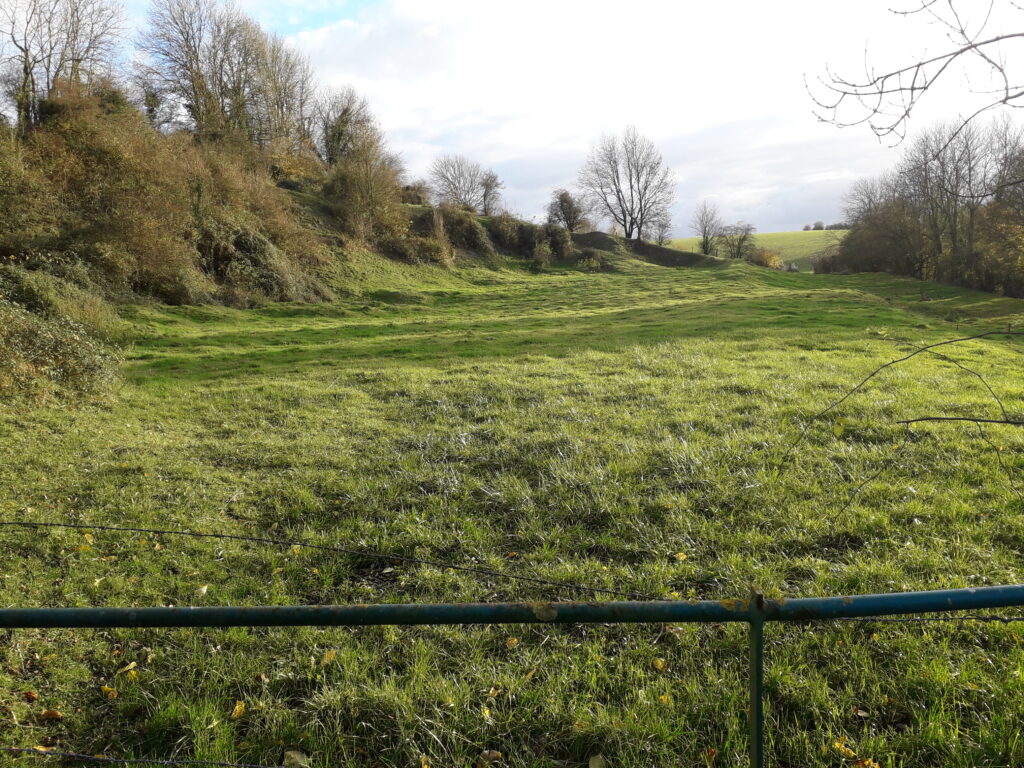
(885, 100)
(47, 42)
(216, 66)
(706, 224)
(661, 229)
(567, 210)
(458, 180)
(628, 182)
(738, 240)
(490, 193)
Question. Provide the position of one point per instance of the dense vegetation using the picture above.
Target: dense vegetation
(952, 210)
(623, 429)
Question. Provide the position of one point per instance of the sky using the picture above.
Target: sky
(527, 87)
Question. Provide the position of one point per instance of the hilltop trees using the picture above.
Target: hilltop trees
(44, 43)
(628, 182)
(567, 211)
(457, 180)
(706, 224)
(225, 75)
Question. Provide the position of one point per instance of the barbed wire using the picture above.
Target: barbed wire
(37, 752)
(331, 548)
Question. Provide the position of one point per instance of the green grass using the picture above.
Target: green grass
(575, 427)
(795, 247)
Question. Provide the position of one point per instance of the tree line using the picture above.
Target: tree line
(951, 210)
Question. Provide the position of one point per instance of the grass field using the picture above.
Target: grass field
(795, 247)
(626, 430)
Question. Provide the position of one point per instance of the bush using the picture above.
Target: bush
(766, 257)
(40, 357)
(560, 241)
(592, 260)
(541, 258)
(464, 230)
(529, 236)
(504, 231)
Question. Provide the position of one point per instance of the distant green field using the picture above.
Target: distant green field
(795, 247)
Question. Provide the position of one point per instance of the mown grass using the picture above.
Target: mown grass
(588, 428)
(795, 247)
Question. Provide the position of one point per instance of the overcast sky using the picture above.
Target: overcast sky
(527, 86)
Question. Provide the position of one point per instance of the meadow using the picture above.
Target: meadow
(794, 247)
(638, 430)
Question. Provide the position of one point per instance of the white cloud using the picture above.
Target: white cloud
(526, 87)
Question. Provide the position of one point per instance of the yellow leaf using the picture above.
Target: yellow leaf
(127, 668)
(84, 548)
(111, 692)
(40, 748)
(424, 761)
(133, 675)
(597, 761)
(512, 642)
(487, 757)
(238, 711)
(202, 590)
(51, 714)
(296, 549)
(530, 674)
(838, 430)
(328, 656)
(844, 750)
(659, 664)
(276, 571)
(665, 699)
(680, 555)
(494, 692)
(88, 537)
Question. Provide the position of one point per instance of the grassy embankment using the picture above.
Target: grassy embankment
(621, 429)
(795, 247)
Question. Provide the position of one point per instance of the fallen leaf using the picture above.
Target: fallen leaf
(88, 537)
(276, 571)
(680, 556)
(213, 725)
(295, 759)
(111, 692)
(30, 696)
(860, 712)
(41, 748)
(493, 692)
(127, 668)
(202, 590)
(328, 656)
(238, 711)
(487, 757)
(659, 664)
(597, 761)
(424, 761)
(51, 714)
(512, 642)
(866, 762)
(665, 699)
(133, 675)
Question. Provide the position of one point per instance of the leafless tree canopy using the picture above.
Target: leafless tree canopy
(490, 193)
(885, 100)
(226, 76)
(460, 181)
(47, 42)
(738, 240)
(706, 224)
(628, 182)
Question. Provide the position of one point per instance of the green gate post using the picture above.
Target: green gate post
(756, 679)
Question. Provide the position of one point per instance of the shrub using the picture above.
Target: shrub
(592, 260)
(504, 231)
(765, 257)
(40, 357)
(541, 258)
(465, 231)
(528, 238)
(560, 241)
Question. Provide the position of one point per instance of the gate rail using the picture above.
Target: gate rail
(755, 610)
